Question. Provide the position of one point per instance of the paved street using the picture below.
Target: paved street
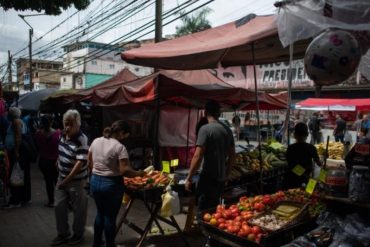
(34, 225)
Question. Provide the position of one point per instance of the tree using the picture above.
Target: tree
(194, 23)
(50, 7)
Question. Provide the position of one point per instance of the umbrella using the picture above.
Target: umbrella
(31, 101)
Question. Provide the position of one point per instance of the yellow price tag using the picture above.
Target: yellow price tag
(311, 186)
(166, 167)
(175, 162)
(298, 170)
(322, 175)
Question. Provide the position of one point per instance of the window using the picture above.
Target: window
(64, 79)
(111, 66)
(93, 62)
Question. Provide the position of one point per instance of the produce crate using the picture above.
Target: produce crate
(273, 239)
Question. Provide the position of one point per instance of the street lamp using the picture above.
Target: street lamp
(29, 45)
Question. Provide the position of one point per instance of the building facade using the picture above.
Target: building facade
(87, 64)
(45, 74)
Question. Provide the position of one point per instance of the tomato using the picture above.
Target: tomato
(220, 220)
(243, 199)
(246, 229)
(207, 217)
(230, 229)
(256, 230)
(217, 216)
(237, 223)
(267, 200)
(234, 210)
(259, 206)
(220, 208)
(238, 218)
(213, 222)
(222, 226)
(226, 214)
(242, 233)
(251, 237)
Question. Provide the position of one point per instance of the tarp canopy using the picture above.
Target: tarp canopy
(228, 45)
(316, 104)
(31, 101)
(186, 88)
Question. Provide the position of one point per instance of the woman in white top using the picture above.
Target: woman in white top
(109, 161)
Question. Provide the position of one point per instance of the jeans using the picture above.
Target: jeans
(339, 138)
(108, 194)
(50, 172)
(74, 195)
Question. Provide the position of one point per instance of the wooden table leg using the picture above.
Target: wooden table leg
(190, 216)
(148, 226)
(150, 209)
(174, 222)
(124, 215)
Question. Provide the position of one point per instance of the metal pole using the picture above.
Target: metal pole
(30, 54)
(258, 117)
(287, 121)
(158, 21)
(187, 139)
(10, 79)
(156, 126)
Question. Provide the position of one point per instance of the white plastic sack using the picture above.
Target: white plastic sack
(17, 176)
(170, 203)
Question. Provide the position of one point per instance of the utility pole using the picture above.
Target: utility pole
(30, 54)
(158, 21)
(10, 80)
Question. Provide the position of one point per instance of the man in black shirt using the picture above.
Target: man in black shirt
(340, 127)
(300, 154)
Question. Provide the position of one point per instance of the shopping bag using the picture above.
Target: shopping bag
(17, 176)
(170, 203)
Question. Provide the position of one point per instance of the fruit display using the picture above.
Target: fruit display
(335, 150)
(263, 213)
(273, 156)
(150, 180)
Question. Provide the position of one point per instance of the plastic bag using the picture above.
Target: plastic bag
(170, 203)
(17, 176)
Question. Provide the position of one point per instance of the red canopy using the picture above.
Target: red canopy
(191, 88)
(229, 44)
(334, 104)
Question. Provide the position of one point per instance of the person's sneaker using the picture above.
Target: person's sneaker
(60, 240)
(74, 240)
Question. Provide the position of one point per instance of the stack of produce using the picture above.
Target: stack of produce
(241, 219)
(150, 180)
(335, 150)
(273, 156)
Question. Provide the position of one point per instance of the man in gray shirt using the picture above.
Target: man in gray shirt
(215, 143)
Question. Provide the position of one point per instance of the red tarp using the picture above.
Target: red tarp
(229, 44)
(335, 104)
(172, 88)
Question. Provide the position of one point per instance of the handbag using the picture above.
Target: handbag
(17, 176)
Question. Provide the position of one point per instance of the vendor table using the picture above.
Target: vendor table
(152, 201)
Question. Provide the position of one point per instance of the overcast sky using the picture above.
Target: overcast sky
(14, 31)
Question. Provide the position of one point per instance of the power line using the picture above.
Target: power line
(91, 57)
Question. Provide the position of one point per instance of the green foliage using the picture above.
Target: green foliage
(194, 23)
(49, 7)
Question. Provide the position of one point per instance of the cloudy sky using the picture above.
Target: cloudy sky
(14, 31)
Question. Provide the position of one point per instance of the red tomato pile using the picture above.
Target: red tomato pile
(150, 180)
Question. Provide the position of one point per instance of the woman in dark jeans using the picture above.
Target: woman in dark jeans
(108, 159)
(47, 140)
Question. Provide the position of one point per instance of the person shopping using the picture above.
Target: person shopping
(300, 154)
(109, 161)
(70, 189)
(47, 140)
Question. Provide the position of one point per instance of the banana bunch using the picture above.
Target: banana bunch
(335, 150)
